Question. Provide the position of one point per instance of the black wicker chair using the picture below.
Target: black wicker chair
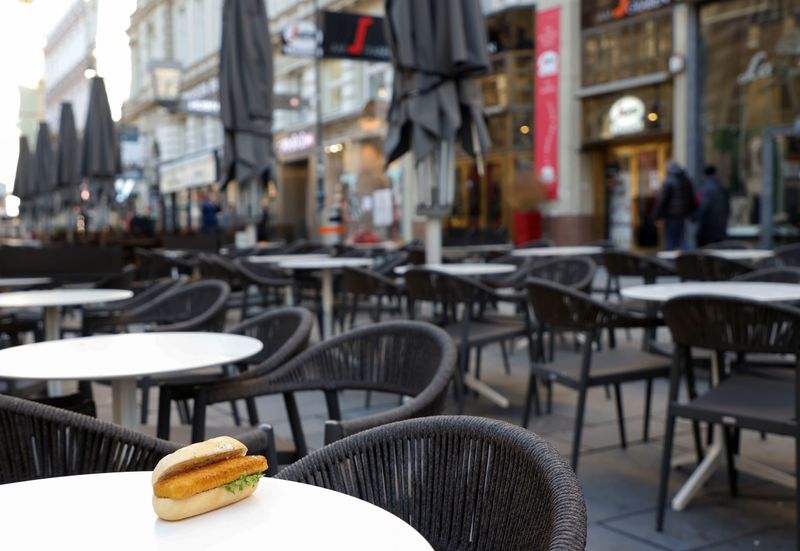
(150, 266)
(788, 255)
(400, 357)
(750, 398)
(284, 333)
(702, 266)
(728, 244)
(462, 482)
(576, 272)
(360, 283)
(271, 282)
(561, 308)
(630, 264)
(41, 441)
(475, 327)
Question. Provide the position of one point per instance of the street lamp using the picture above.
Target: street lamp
(165, 83)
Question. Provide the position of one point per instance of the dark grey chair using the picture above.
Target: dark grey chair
(462, 482)
(41, 441)
(284, 333)
(788, 255)
(702, 266)
(748, 398)
(407, 358)
(561, 308)
(772, 275)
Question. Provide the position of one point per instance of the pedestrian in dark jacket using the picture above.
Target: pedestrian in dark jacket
(676, 203)
(714, 210)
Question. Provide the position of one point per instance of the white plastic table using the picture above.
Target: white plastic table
(765, 292)
(325, 268)
(468, 269)
(730, 254)
(52, 300)
(278, 258)
(114, 511)
(546, 252)
(123, 358)
(6, 282)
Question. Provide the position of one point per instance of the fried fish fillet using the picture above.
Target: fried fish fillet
(193, 482)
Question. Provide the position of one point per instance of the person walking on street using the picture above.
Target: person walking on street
(714, 210)
(676, 203)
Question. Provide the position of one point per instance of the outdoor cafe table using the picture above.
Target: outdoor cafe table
(278, 258)
(8, 282)
(325, 266)
(548, 252)
(114, 511)
(461, 251)
(123, 358)
(764, 292)
(52, 300)
(729, 254)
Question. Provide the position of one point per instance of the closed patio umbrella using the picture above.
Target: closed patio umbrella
(68, 171)
(100, 160)
(245, 80)
(23, 179)
(45, 160)
(438, 48)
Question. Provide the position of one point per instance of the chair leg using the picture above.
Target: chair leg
(184, 415)
(145, 385)
(648, 395)
(252, 411)
(620, 416)
(199, 418)
(730, 450)
(533, 396)
(666, 465)
(797, 491)
(549, 387)
(577, 432)
(237, 420)
(368, 400)
(297, 427)
(504, 352)
(164, 406)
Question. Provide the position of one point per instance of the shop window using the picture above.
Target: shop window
(642, 111)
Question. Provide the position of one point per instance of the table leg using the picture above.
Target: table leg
(701, 474)
(327, 304)
(288, 298)
(52, 332)
(123, 395)
(485, 390)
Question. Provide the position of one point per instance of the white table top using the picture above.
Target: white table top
(730, 254)
(468, 269)
(278, 258)
(558, 251)
(765, 292)
(23, 281)
(61, 297)
(124, 356)
(114, 511)
(330, 263)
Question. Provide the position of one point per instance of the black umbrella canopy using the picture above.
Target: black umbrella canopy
(437, 49)
(23, 179)
(245, 77)
(100, 156)
(45, 160)
(68, 171)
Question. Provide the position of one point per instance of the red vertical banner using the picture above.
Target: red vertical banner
(545, 123)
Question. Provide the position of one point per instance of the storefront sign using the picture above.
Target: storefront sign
(757, 69)
(299, 39)
(295, 142)
(353, 36)
(626, 116)
(548, 36)
(188, 172)
(597, 12)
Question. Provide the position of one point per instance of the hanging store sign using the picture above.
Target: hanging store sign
(548, 54)
(626, 116)
(597, 12)
(299, 39)
(188, 172)
(353, 36)
(296, 142)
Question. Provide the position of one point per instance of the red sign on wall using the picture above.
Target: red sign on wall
(548, 62)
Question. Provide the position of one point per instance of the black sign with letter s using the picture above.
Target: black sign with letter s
(353, 36)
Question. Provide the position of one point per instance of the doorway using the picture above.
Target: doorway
(632, 176)
(291, 213)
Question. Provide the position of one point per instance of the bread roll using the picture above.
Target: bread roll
(178, 509)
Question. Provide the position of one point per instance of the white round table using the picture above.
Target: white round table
(662, 292)
(766, 292)
(114, 511)
(6, 282)
(123, 358)
(459, 251)
(730, 254)
(52, 300)
(469, 269)
(278, 258)
(325, 267)
(545, 252)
